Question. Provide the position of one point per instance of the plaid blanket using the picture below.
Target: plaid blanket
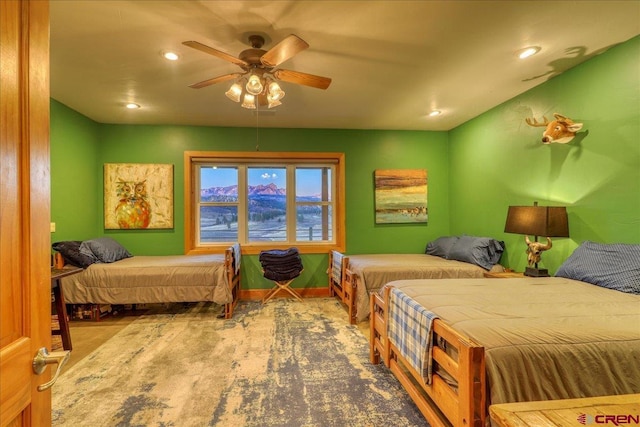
(336, 267)
(409, 330)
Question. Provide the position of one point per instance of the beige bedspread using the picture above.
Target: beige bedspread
(544, 338)
(151, 279)
(376, 270)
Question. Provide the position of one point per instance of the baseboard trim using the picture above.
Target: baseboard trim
(259, 294)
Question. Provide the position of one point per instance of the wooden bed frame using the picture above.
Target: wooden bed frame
(441, 404)
(234, 282)
(345, 290)
(232, 277)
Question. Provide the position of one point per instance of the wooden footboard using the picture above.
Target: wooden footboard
(457, 392)
(345, 288)
(233, 279)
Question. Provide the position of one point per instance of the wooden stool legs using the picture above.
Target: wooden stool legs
(282, 285)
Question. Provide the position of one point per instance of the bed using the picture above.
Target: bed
(352, 278)
(496, 340)
(157, 279)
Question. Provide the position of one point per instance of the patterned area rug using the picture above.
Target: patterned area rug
(286, 363)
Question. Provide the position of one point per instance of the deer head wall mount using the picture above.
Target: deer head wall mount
(560, 130)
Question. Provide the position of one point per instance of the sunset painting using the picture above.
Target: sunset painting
(401, 196)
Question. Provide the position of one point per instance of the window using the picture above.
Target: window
(264, 200)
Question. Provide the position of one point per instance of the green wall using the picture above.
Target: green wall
(474, 171)
(75, 187)
(365, 151)
(498, 160)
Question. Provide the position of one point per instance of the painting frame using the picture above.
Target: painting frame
(401, 196)
(138, 196)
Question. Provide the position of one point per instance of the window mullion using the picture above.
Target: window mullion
(243, 205)
(196, 196)
(291, 204)
(324, 208)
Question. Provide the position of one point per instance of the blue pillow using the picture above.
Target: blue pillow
(482, 251)
(613, 266)
(441, 246)
(105, 249)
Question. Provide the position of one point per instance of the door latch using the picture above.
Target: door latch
(44, 358)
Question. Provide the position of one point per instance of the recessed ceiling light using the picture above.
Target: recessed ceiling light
(435, 113)
(528, 51)
(132, 106)
(171, 56)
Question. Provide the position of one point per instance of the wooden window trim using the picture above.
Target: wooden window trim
(193, 157)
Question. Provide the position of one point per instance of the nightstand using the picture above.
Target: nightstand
(566, 412)
(503, 274)
(61, 308)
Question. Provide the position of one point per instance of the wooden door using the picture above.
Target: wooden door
(25, 301)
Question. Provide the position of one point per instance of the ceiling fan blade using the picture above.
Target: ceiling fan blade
(215, 80)
(215, 52)
(302, 78)
(284, 50)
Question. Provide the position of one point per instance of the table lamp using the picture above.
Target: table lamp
(546, 221)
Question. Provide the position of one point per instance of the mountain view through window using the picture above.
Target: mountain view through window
(260, 210)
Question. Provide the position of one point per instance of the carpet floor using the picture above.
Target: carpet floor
(285, 363)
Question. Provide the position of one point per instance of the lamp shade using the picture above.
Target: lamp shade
(249, 101)
(254, 85)
(234, 92)
(546, 221)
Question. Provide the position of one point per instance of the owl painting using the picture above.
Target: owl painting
(133, 209)
(138, 196)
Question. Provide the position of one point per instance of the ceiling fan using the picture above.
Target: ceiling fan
(259, 72)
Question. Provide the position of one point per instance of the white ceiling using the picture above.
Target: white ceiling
(391, 61)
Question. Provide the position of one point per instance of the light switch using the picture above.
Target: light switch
(53, 227)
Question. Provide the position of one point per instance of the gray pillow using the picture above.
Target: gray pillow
(613, 266)
(70, 251)
(105, 249)
(441, 246)
(482, 251)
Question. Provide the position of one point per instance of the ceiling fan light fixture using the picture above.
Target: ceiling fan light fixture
(249, 101)
(254, 85)
(275, 91)
(234, 92)
(273, 102)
